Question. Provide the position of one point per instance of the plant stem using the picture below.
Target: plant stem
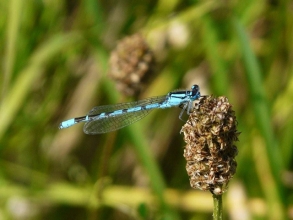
(218, 207)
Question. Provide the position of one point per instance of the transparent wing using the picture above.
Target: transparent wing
(105, 125)
(115, 122)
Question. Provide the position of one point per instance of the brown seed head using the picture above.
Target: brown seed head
(131, 64)
(210, 152)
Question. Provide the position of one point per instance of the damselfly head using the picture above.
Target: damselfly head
(195, 93)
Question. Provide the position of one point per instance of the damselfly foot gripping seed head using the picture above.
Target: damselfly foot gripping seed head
(132, 64)
(210, 133)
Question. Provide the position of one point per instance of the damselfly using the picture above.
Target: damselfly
(106, 118)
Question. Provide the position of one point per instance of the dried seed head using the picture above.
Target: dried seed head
(210, 152)
(131, 64)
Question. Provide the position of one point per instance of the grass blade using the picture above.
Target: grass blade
(16, 96)
(262, 114)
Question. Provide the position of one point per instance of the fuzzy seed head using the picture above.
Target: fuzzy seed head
(210, 133)
(131, 64)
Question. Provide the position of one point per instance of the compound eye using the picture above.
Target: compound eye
(195, 91)
(195, 87)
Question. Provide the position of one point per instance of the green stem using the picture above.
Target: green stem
(218, 207)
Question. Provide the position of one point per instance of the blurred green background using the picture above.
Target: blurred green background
(54, 64)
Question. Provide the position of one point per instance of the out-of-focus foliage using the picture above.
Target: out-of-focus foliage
(54, 64)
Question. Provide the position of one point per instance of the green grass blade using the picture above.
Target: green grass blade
(14, 20)
(261, 112)
(220, 80)
(150, 165)
(23, 84)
